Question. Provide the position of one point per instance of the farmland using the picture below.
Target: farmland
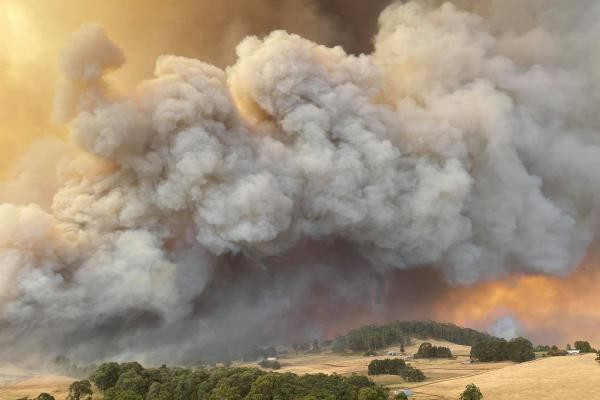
(548, 378)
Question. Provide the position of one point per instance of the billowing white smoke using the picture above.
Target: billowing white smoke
(506, 327)
(468, 141)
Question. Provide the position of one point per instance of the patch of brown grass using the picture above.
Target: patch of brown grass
(57, 386)
(345, 364)
(553, 378)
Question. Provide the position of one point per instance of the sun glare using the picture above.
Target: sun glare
(20, 34)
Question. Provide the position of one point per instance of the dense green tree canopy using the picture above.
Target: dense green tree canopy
(375, 337)
(517, 350)
(395, 366)
(412, 374)
(371, 394)
(80, 390)
(133, 381)
(520, 350)
(583, 346)
(126, 395)
(106, 375)
(137, 383)
(426, 350)
(389, 366)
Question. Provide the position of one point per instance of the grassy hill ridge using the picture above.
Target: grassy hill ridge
(374, 337)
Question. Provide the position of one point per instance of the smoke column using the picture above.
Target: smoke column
(213, 206)
(33, 32)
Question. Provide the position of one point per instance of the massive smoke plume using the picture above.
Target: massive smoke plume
(33, 32)
(208, 205)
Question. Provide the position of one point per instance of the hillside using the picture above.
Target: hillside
(554, 378)
(439, 369)
(373, 337)
(31, 386)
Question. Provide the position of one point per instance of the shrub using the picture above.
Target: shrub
(583, 346)
(517, 350)
(395, 366)
(270, 364)
(554, 352)
(389, 366)
(401, 396)
(370, 353)
(45, 396)
(80, 390)
(371, 394)
(471, 392)
(411, 374)
(426, 350)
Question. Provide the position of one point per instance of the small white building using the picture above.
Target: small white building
(573, 352)
(407, 392)
(271, 358)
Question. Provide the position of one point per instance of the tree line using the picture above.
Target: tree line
(131, 381)
(495, 349)
(374, 337)
(584, 346)
(551, 351)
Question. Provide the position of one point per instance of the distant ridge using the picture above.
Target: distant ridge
(373, 337)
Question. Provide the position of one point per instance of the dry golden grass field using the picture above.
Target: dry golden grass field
(555, 378)
(16, 384)
(357, 363)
